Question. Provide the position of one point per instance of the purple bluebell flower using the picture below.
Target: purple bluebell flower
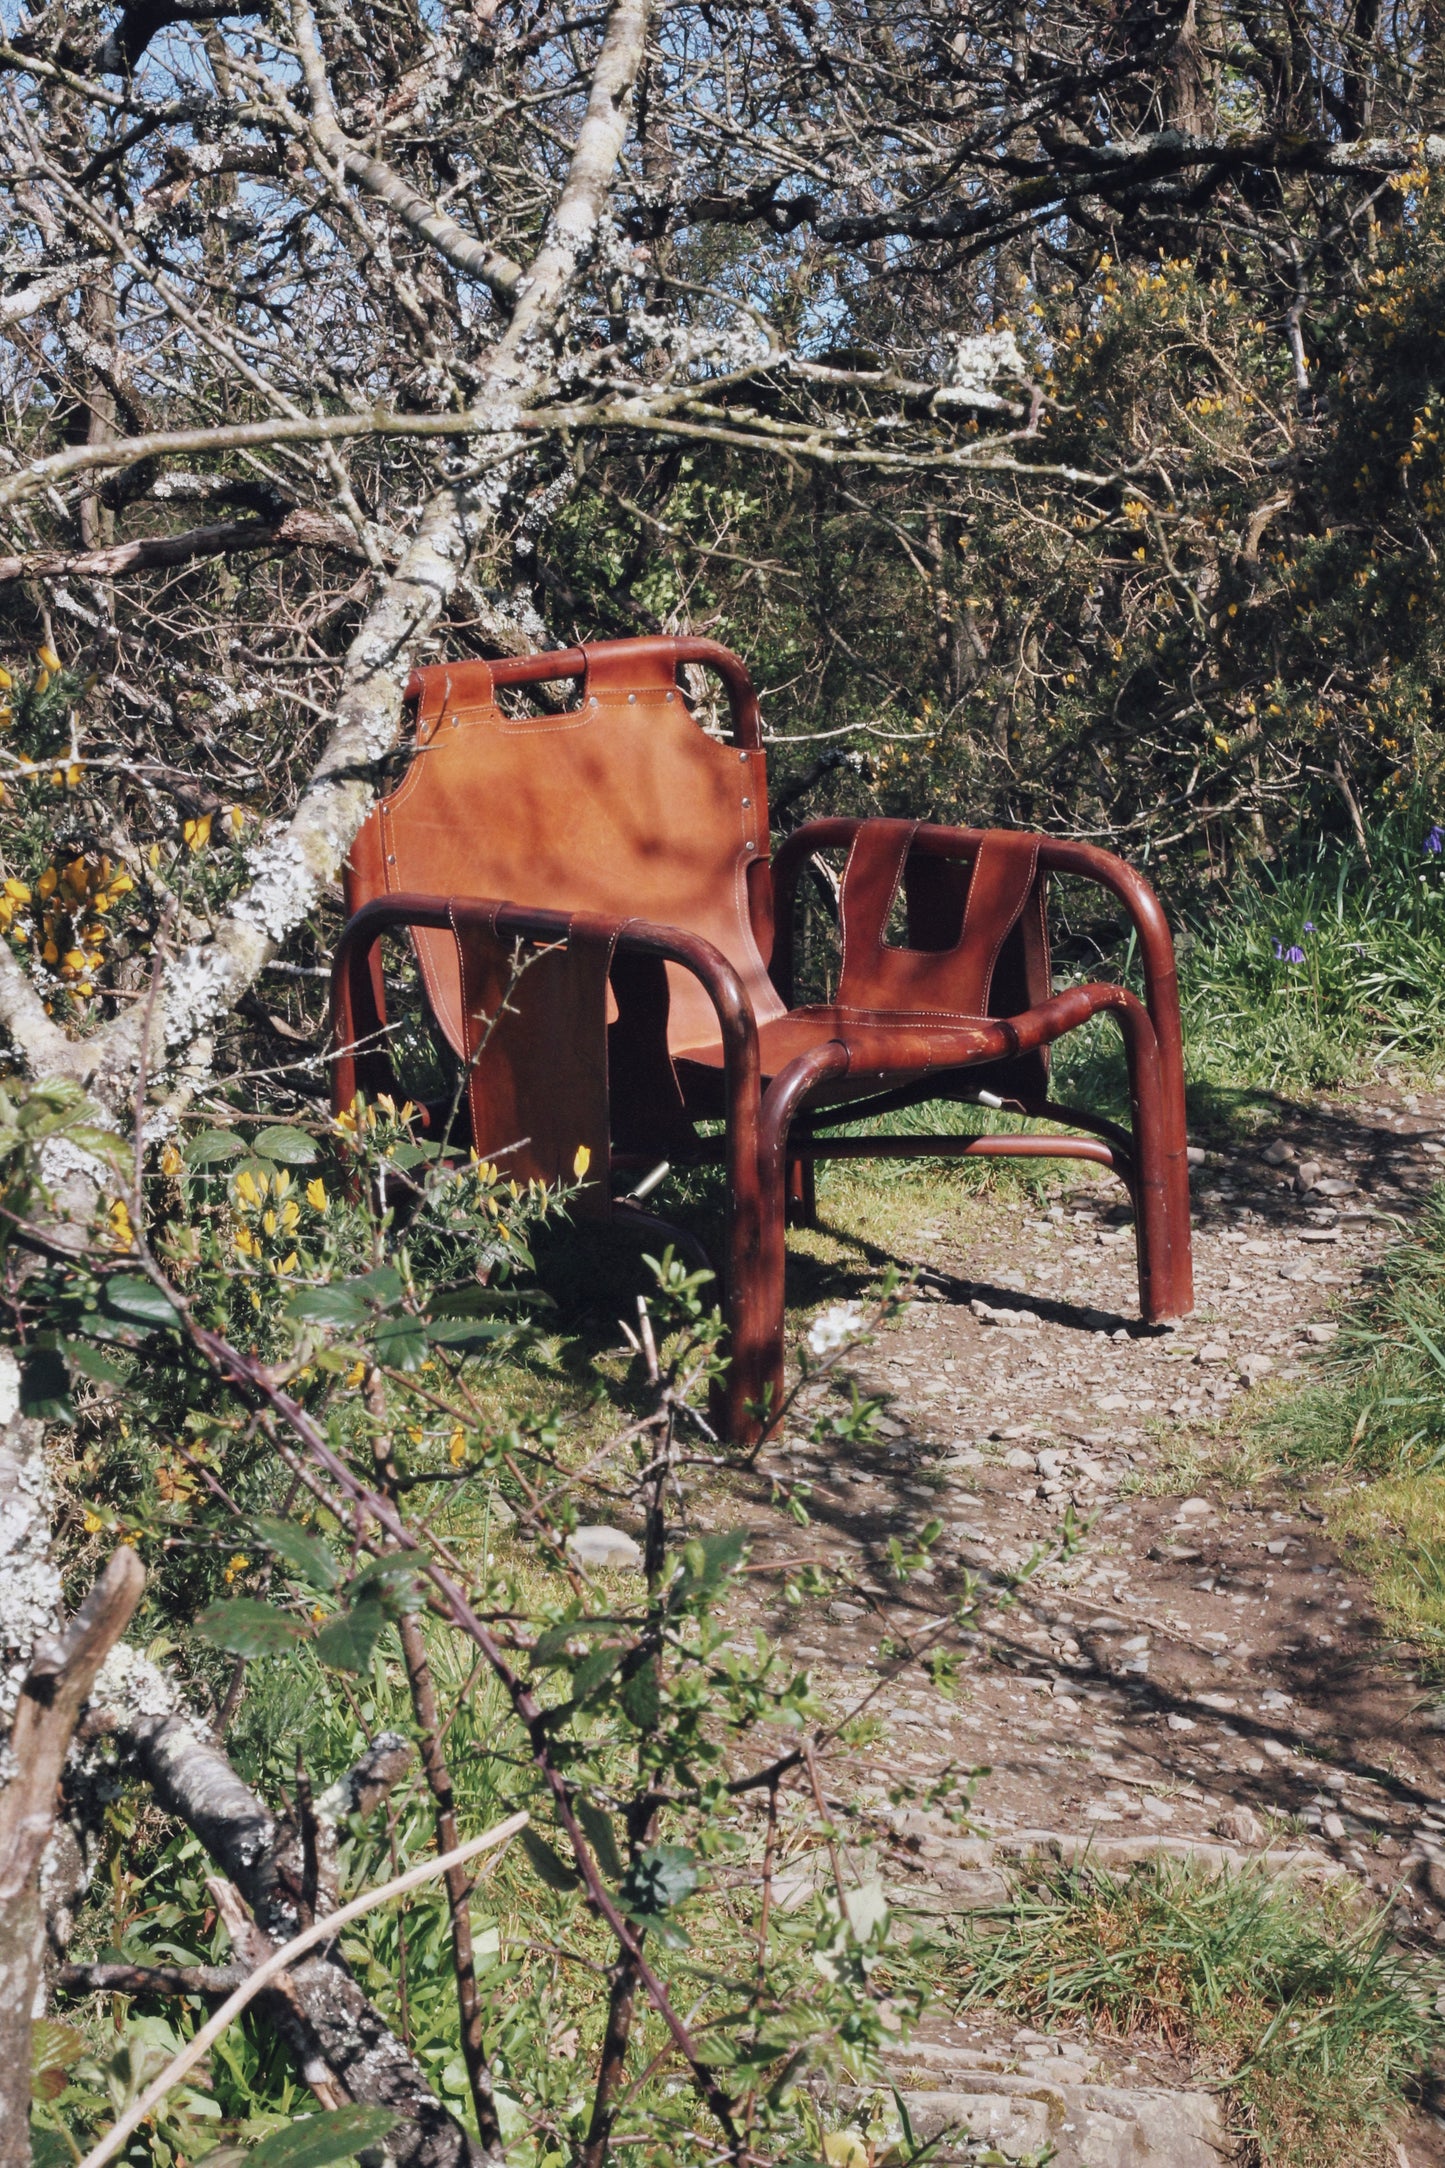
(1309, 925)
(1291, 955)
(1435, 841)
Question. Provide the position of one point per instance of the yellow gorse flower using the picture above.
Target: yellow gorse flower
(75, 898)
(316, 1194)
(197, 833)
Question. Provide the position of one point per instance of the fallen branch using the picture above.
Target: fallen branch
(323, 1930)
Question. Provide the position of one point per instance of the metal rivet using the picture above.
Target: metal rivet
(391, 858)
(669, 696)
(633, 698)
(747, 801)
(742, 756)
(752, 846)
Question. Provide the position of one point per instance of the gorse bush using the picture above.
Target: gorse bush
(283, 1367)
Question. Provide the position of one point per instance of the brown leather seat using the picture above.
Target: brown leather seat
(629, 850)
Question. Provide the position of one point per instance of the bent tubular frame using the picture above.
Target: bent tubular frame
(360, 1062)
(1160, 1191)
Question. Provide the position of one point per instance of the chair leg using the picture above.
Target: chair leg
(1163, 1243)
(802, 1192)
(757, 1375)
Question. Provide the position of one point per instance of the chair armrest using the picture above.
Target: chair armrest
(1146, 913)
(351, 981)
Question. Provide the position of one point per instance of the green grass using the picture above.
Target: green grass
(1379, 1408)
(1370, 990)
(1296, 2005)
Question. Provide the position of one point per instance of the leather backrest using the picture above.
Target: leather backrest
(1003, 889)
(622, 806)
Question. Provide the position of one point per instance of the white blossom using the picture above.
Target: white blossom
(834, 1328)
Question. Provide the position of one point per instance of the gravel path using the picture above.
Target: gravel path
(1206, 1675)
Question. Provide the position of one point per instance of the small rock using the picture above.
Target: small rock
(1111, 1403)
(1212, 1352)
(1252, 1765)
(610, 1547)
(1018, 1458)
(1135, 1645)
(1321, 1335)
(1194, 1153)
(1194, 1509)
(1296, 1272)
(1156, 1810)
(1279, 1154)
(1317, 1234)
(1277, 1546)
(1180, 1723)
(1306, 1174)
(1435, 1881)
(1240, 1825)
(1433, 1719)
(1275, 1749)
(1254, 1367)
(843, 1612)
(1010, 1320)
(1333, 1828)
(1332, 1185)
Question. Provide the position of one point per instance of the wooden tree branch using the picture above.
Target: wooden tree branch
(117, 1979)
(301, 528)
(321, 1931)
(63, 1669)
(339, 2039)
(426, 220)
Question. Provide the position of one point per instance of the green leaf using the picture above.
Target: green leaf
(53, 2048)
(597, 1828)
(659, 1879)
(210, 1146)
(466, 1331)
(308, 1553)
(48, 2149)
(140, 1301)
(382, 1287)
(248, 1627)
(45, 1387)
(392, 1581)
(407, 1156)
(640, 1697)
(594, 1671)
(289, 1147)
(91, 1363)
(551, 1867)
(401, 1343)
(340, 1304)
(471, 1301)
(707, 1560)
(346, 1642)
(317, 2140)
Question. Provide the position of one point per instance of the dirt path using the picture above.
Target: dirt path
(1206, 1675)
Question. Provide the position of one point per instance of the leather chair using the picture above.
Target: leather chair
(626, 850)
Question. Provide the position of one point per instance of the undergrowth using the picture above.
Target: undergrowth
(1293, 2002)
